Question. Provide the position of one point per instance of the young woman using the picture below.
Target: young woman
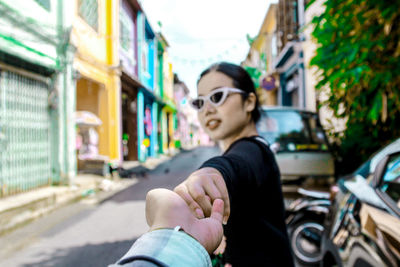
(246, 176)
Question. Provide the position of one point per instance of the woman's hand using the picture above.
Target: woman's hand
(166, 209)
(200, 190)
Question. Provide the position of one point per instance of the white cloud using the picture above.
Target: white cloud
(202, 32)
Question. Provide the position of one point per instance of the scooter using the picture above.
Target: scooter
(304, 219)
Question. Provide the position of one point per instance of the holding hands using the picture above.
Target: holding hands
(201, 189)
(166, 209)
(199, 205)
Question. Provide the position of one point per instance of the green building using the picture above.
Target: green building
(37, 135)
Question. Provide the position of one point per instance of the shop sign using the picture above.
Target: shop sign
(268, 83)
(148, 125)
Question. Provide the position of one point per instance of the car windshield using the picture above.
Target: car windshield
(369, 166)
(391, 179)
(291, 130)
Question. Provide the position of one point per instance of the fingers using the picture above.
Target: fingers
(150, 204)
(217, 189)
(221, 186)
(221, 248)
(203, 200)
(204, 186)
(211, 187)
(182, 191)
(217, 210)
(209, 231)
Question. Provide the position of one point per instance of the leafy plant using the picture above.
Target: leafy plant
(255, 75)
(358, 61)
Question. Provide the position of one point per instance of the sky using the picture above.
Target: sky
(203, 32)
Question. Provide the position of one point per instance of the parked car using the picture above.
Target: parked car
(363, 226)
(300, 145)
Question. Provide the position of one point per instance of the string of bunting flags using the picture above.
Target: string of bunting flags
(208, 60)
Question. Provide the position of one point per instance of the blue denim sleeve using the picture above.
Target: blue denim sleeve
(166, 247)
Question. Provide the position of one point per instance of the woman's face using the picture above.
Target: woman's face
(228, 120)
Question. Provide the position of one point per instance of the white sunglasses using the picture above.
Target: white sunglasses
(215, 98)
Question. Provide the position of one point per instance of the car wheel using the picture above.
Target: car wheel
(305, 240)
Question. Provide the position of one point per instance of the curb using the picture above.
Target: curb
(17, 237)
(19, 210)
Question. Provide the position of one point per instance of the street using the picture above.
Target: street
(104, 100)
(82, 234)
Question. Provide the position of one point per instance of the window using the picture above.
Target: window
(145, 56)
(292, 131)
(369, 167)
(44, 3)
(126, 30)
(88, 11)
(274, 46)
(390, 184)
(295, 13)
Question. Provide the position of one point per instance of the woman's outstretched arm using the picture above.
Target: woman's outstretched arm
(201, 189)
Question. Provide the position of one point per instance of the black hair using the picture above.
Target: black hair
(241, 80)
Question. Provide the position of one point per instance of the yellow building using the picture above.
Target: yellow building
(169, 109)
(166, 91)
(94, 34)
(262, 55)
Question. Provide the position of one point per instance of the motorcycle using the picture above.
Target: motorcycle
(304, 219)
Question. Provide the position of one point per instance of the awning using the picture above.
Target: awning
(87, 118)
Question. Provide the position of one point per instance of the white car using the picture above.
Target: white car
(300, 146)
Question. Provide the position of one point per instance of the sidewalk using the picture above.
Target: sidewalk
(18, 210)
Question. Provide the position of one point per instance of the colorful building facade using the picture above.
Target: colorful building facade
(290, 61)
(167, 140)
(152, 122)
(147, 104)
(184, 131)
(130, 84)
(94, 32)
(188, 130)
(36, 109)
(102, 82)
(261, 57)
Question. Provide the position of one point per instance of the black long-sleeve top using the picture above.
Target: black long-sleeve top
(256, 232)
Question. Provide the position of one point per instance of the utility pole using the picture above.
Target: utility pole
(66, 95)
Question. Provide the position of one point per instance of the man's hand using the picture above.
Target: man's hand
(201, 189)
(166, 209)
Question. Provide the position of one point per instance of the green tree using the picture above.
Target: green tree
(255, 75)
(358, 61)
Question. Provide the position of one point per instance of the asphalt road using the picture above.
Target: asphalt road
(81, 234)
